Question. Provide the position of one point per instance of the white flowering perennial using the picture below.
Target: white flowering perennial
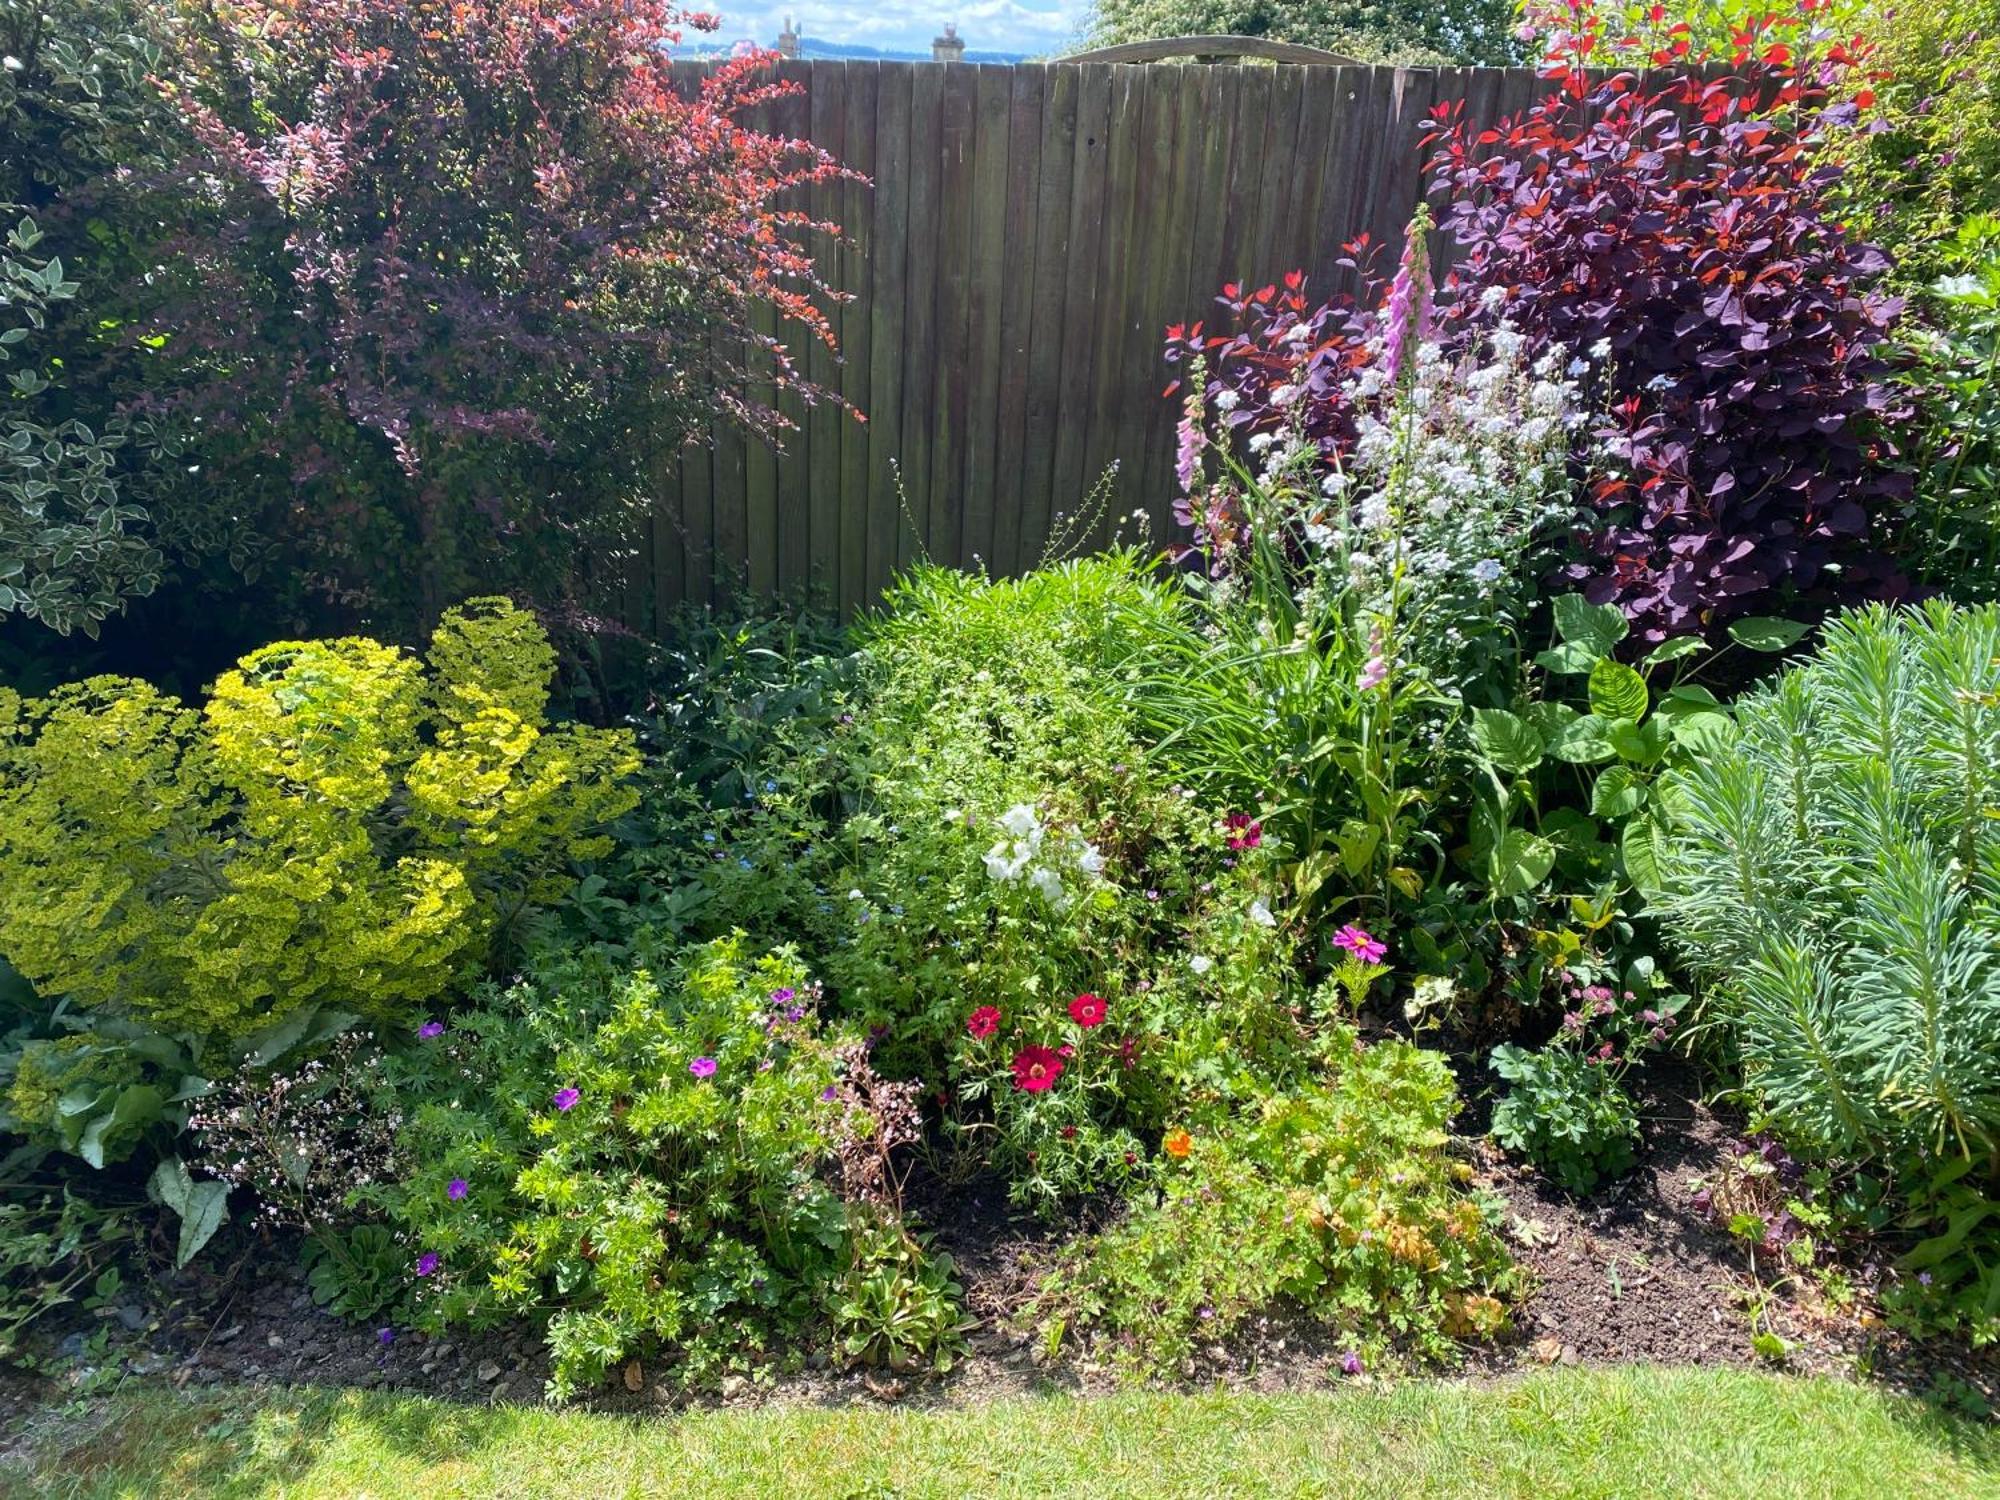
(1025, 851)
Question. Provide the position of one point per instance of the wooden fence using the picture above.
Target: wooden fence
(1029, 233)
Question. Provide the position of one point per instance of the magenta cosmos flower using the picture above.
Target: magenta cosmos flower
(1357, 941)
(702, 1067)
(565, 1099)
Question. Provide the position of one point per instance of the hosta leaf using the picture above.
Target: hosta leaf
(1619, 790)
(1598, 627)
(1766, 633)
(1584, 742)
(1507, 740)
(1519, 862)
(1617, 692)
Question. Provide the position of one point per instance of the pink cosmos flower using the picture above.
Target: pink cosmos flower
(1357, 941)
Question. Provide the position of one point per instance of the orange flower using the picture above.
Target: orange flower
(1177, 1144)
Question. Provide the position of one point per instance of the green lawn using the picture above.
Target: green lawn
(1561, 1433)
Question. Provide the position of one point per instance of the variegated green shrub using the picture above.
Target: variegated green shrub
(338, 826)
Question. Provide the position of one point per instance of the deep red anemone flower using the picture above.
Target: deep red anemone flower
(1087, 1011)
(984, 1021)
(1036, 1069)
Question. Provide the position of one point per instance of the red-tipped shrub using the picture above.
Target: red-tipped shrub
(1745, 336)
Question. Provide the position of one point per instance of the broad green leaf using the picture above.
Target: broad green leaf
(1519, 862)
(1505, 739)
(1674, 650)
(207, 1206)
(137, 1105)
(1639, 849)
(1702, 734)
(1642, 744)
(171, 1184)
(1617, 692)
(1584, 742)
(1358, 843)
(1549, 719)
(1581, 623)
(1619, 790)
(1766, 633)
(1568, 659)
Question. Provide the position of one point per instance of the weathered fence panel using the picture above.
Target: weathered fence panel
(1029, 233)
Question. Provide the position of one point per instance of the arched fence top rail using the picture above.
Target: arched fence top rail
(1167, 49)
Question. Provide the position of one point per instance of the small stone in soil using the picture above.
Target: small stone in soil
(489, 1370)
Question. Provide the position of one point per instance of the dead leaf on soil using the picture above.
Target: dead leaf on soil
(1530, 1233)
(1546, 1350)
(635, 1378)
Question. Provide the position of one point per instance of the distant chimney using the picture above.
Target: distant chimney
(788, 40)
(950, 47)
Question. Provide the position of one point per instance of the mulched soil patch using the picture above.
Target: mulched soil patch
(1630, 1274)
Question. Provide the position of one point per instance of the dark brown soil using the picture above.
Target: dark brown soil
(1630, 1274)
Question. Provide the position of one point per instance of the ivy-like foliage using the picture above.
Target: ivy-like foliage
(78, 120)
(1688, 237)
(335, 827)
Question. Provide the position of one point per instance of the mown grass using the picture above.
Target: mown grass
(1640, 1432)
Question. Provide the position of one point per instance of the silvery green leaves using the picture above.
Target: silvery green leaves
(200, 1206)
(1837, 868)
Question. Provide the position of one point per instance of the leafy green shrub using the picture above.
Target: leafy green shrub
(1566, 1112)
(1016, 848)
(356, 1272)
(1930, 159)
(1337, 1198)
(1837, 871)
(637, 1156)
(333, 829)
(52, 1242)
(1954, 525)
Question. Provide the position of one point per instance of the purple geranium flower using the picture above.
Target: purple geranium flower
(430, 1029)
(566, 1098)
(427, 1262)
(702, 1067)
(385, 1336)
(829, 1092)
(783, 996)
(457, 1190)
(1350, 1363)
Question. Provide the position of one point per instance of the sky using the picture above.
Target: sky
(1031, 27)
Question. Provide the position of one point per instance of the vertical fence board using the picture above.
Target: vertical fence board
(1086, 237)
(957, 142)
(992, 115)
(1110, 372)
(823, 424)
(1049, 327)
(888, 539)
(1017, 296)
(792, 512)
(920, 304)
(857, 341)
